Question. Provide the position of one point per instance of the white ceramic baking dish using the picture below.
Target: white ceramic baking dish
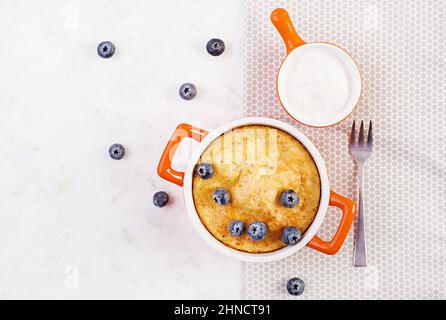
(309, 238)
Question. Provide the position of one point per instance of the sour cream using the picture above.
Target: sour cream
(318, 84)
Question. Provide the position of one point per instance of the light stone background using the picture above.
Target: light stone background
(73, 222)
(400, 49)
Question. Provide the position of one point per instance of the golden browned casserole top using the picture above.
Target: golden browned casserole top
(255, 164)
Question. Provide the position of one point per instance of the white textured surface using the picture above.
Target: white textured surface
(68, 213)
(73, 222)
(400, 48)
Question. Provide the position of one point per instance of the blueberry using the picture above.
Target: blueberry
(188, 91)
(215, 47)
(160, 199)
(295, 286)
(257, 230)
(106, 49)
(236, 227)
(205, 170)
(289, 198)
(291, 236)
(221, 196)
(116, 151)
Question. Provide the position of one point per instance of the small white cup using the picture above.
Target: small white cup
(298, 49)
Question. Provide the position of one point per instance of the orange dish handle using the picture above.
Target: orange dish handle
(348, 208)
(282, 21)
(165, 169)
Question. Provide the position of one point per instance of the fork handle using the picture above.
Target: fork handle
(360, 250)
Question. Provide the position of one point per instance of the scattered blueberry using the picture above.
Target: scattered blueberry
(188, 91)
(221, 196)
(116, 151)
(289, 198)
(295, 286)
(291, 236)
(205, 170)
(257, 230)
(215, 47)
(160, 199)
(236, 227)
(106, 49)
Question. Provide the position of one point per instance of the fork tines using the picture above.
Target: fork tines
(360, 143)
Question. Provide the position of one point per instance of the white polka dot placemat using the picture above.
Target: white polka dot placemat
(400, 48)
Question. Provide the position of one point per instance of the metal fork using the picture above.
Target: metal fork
(360, 151)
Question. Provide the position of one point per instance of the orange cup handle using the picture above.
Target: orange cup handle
(282, 21)
(165, 169)
(348, 208)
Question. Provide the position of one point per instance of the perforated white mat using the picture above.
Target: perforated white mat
(400, 49)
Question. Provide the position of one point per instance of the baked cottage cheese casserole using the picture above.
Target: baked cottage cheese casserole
(256, 189)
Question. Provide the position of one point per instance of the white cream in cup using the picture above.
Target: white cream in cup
(318, 84)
